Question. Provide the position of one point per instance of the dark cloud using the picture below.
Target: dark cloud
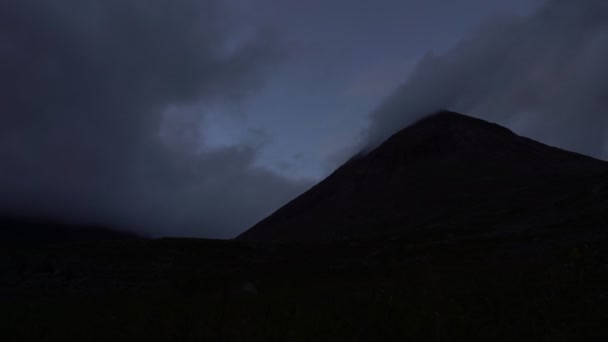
(85, 130)
(545, 75)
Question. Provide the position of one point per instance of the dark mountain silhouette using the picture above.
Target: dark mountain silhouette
(454, 229)
(448, 174)
(21, 231)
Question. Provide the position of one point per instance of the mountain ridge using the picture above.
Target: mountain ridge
(19, 231)
(443, 169)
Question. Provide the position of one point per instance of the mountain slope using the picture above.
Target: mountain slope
(450, 174)
(19, 232)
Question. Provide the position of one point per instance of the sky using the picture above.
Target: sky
(347, 56)
(201, 117)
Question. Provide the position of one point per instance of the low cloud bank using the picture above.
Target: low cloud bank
(86, 134)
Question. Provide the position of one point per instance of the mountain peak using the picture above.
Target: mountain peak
(448, 131)
(454, 120)
(447, 135)
(444, 169)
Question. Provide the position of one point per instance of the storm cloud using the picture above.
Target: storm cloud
(91, 122)
(543, 75)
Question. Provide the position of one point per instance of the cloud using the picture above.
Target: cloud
(377, 81)
(86, 133)
(544, 75)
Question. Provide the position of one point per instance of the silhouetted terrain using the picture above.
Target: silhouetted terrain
(19, 232)
(454, 229)
(447, 174)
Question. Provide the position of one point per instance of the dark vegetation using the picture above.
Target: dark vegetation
(192, 290)
(456, 231)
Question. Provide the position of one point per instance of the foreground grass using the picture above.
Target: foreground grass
(444, 295)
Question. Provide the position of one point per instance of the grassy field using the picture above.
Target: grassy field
(473, 291)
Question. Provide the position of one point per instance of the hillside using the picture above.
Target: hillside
(447, 174)
(454, 229)
(19, 232)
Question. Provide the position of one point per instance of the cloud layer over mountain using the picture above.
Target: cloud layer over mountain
(543, 75)
(91, 126)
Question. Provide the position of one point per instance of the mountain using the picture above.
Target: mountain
(448, 175)
(20, 231)
(454, 229)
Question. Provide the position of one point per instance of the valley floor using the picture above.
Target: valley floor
(203, 290)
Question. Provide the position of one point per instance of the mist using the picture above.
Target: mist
(544, 76)
(100, 107)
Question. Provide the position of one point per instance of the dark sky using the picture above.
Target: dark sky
(200, 117)
(346, 56)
